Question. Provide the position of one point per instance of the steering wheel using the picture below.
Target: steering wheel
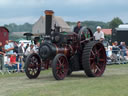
(85, 34)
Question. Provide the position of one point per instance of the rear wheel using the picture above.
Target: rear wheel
(60, 67)
(94, 59)
(32, 66)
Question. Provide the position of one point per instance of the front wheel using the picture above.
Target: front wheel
(60, 67)
(32, 66)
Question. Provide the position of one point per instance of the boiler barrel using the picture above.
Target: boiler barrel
(49, 51)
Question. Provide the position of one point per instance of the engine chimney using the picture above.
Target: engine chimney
(48, 21)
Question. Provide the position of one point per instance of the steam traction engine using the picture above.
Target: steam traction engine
(66, 52)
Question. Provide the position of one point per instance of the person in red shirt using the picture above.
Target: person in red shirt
(13, 61)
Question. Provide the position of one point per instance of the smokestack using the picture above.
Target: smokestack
(48, 21)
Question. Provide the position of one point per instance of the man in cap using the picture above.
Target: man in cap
(99, 35)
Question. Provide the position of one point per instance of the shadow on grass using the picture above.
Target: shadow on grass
(42, 78)
(74, 75)
(51, 78)
(77, 75)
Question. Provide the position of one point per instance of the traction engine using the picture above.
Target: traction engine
(66, 52)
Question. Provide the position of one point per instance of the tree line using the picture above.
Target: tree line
(93, 24)
(27, 27)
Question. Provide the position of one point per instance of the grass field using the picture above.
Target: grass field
(114, 82)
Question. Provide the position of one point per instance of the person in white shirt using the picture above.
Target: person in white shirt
(36, 47)
(29, 50)
(21, 52)
(99, 35)
(21, 49)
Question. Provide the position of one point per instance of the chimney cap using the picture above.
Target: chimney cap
(49, 12)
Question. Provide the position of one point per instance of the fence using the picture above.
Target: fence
(3, 69)
(6, 66)
(1, 64)
(116, 57)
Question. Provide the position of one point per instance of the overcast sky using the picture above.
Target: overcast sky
(21, 11)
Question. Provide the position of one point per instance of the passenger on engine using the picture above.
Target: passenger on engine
(99, 35)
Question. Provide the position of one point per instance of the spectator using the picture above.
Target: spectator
(36, 47)
(21, 49)
(14, 63)
(115, 50)
(15, 47)
(123, 49)
(16, 51)
(8, 48)
(21, 52)
(78, 27)
(99, 35)
(26, 47)
(11, 43)
(1, 56)
(29, 50)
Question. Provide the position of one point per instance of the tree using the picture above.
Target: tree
(115, 22)
(26, 27)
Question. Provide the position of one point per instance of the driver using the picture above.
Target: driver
(99, 35)
(78, 27)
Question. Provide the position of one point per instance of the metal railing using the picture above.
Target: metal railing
(3, 69)
(116, 57)
(3, 62)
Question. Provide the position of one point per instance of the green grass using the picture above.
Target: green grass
(114, 82)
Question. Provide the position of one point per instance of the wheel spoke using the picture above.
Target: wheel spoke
(57, 68)
(99, 50)
(93, 66)
(101, 60)
(92, 59)
(33, 72)
(98, 68)
(95, 49)
(59, 61)
(93, 54)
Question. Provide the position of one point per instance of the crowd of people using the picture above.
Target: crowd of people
(13, 55)
(117, 52)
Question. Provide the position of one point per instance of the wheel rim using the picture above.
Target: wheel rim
(34, 66)
(98, 59)
(61, 67)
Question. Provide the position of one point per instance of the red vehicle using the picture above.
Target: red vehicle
(3, 35)
(66, 52)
